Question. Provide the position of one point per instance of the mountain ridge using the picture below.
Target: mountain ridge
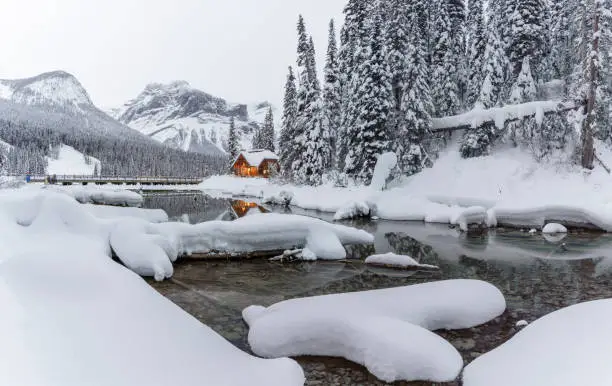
(190, 119)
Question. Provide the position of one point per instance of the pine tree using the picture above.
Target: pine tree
(288, 131)
(354, 39)
(332, 95)
(233, 141)
(311, 143)
(529, 34)
(476, 50)
(494, 74)
(523, 90)
(267, 132)
(416, 105)
(445, 87)
(371, 86)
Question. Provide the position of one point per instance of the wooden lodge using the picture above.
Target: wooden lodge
(256, 163)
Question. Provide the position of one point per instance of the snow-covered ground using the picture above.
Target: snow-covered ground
(387, 330)
(72, 316)
(507, 188)
(72, 162)
(568, 347)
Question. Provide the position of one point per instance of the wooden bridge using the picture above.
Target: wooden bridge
(114, 180)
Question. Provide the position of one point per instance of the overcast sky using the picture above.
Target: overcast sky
(237, 49)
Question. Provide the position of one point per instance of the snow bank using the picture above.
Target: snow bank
(71, 316)
(70, 161)
(568, 347)
(399, 261)
(265, 232)
(385, 330)
(507, 188)
(100, 195)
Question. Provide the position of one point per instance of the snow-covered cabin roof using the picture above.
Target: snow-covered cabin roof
(256, 157)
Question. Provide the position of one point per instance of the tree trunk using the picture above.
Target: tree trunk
(588, 153)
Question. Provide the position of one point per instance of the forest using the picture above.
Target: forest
(34, 135)
(399, 64)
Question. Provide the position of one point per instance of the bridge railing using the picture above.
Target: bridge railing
(118, 179)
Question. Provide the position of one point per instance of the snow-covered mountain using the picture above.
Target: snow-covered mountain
(58, 99)
(189, 119)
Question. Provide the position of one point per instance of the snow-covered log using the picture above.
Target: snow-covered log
(499, 116)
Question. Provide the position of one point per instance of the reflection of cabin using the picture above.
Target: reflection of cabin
(256, 163)
(243, 208)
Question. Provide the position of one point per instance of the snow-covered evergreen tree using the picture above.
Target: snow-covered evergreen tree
(311, 143)
(416, 104)
(371, 92)
(332, 95)
(523, 90)
(529, 34)
(445, 63)
(476, 50)
(494, 71)
(267, 132)
(288, 130)
(354, 42)
(233, 141)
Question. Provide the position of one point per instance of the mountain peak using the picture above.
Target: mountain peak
(58, 88)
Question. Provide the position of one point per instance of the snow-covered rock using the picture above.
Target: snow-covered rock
(189, 119)
(554, 228)
(393, 260)
(385, 330)
(283, 198)
(353, 209)
(568, 347)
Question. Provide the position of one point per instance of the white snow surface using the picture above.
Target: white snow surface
(507, 188)
(554, 228)
(99, 194)
(71, 316)
(387, 330)
(400, 261)
(568, 347)
(72, 162)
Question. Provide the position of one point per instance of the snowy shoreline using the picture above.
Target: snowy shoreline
(508, 189)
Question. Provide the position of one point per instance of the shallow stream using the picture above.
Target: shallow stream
(536, 274)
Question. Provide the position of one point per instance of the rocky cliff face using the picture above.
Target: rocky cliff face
(189, 119)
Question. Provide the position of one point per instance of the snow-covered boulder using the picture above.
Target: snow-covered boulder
(396, 261)
(283, 198)
(354, 209)
(569, 347)
(385, 330)
(554, 228)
